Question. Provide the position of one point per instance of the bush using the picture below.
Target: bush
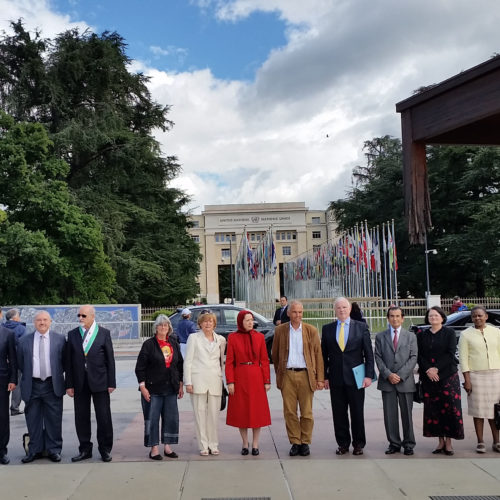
(166, 312)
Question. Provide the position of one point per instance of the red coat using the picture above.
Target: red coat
(248, 407)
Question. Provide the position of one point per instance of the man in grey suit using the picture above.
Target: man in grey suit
(41, 357)
(396, 357)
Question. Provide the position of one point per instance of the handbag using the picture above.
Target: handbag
(496, 412)
(418, 395)
(223, 399)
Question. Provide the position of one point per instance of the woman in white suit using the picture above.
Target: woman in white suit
(203, 380)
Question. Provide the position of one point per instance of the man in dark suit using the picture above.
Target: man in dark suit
(8, 381)
(281, 316)
(299, 372)
(91, 375)
(346, 344)
(41, 358)
(396, 357)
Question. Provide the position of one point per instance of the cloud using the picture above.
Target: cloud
(345, 65)
(178, 52)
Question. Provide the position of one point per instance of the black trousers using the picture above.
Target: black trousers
(4, 417)
(348, 398)
(102, 410)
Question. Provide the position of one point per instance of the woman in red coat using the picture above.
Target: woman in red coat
(248, 379)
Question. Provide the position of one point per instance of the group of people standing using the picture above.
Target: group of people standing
(51, 366)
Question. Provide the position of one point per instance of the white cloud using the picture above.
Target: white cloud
(346, 64)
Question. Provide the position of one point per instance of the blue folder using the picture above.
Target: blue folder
(359, 375)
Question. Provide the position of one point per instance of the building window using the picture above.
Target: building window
(225, 253)
(196, 238)
(316, 220)
(278, 236)
(222, 237)
(316, 234)
(195, 223)
(287, 250)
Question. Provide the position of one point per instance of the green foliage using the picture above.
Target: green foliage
(464, 185)
(101, 120)
(166, 312)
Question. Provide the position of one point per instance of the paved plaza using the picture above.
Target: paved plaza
(273, 474)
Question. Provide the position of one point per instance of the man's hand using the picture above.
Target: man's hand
(70, 392)
(11, 387)
(111, 389)
(367, 382)
(327, 384)
(394, 378)
(320, 386)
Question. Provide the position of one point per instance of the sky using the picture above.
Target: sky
(273, 100)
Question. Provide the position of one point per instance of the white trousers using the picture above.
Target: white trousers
(206, 414)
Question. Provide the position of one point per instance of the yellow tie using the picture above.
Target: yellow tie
(341, 337)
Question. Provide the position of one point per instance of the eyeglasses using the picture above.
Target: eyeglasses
(82, 315)
(206, 311)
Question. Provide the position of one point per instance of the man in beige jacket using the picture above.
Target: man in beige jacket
(298, 363)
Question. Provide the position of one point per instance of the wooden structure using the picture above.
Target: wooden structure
(465, 109)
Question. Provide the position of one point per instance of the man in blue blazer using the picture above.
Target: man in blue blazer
(346, 344)
(41, 358)
(91, 375)
(396, 357)
(8, 381)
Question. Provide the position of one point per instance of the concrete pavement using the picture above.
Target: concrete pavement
(273, 474)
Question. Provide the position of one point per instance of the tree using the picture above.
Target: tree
(101, 119)
(50, 251)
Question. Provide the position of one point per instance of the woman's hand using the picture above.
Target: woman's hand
(467, 386)
(145, 393)
(432, 373)
(230, 389)
(189, 389)
(267, 386)
(181, 391)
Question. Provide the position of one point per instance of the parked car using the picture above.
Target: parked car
(226, 315)
(461, 320)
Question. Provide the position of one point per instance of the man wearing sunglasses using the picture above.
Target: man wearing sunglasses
(91, 375)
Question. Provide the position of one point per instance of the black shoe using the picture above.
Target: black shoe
(391, 450)
(294, 450)
(172, 454)
(408, 451)
(4, 460)
(13, 413)
(83, 455)
(342, 450)
(106, 456)
(244, 451)
(155, 457)
(55, 457)
(255, 451)
(437, 451)
(31, 457)
(357, 450)
(304, 450)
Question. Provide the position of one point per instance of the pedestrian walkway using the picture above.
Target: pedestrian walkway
(273, 474)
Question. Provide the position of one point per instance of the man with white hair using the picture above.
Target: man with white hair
(90, 375)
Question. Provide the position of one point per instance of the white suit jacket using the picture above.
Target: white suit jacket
(202, 367)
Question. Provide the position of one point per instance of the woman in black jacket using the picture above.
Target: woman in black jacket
(440, 382)
(159, 373)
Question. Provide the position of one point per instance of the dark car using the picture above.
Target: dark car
(226, 315)
(462, 320)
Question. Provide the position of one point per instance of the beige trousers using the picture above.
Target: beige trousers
(206, 415)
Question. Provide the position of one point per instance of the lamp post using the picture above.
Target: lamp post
(231, 266)
(427, 252)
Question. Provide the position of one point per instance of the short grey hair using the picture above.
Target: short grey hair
(338, 299)
(11, 313)
(161, 319)
(295, 301)
(42, 311)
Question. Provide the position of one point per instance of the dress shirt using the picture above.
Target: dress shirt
(36, 352)
(346, 329)
(296, 349)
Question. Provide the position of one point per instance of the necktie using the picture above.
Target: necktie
(41, 357)
(395, 340)
(341, 337)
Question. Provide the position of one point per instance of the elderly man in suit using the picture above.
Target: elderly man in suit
(396, 357)
(8, 381)
(280, 315)
(299, 370)
(91, 375)
(41, 358)
(346, 344)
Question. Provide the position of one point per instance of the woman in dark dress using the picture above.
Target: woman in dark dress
(159, 371)
(248, 379)
(440, 382)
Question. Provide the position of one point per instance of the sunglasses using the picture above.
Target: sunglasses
(206, 311)
(82, 315)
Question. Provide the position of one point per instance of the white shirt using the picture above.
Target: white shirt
(36, 352)
(296, 349)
